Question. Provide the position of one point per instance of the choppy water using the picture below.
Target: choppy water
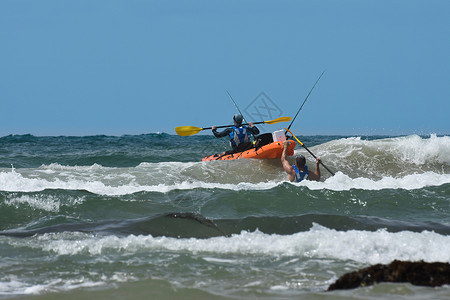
(141, 216)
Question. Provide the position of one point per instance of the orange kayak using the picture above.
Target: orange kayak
(272, 150)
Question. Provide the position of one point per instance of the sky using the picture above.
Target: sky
(83, 67)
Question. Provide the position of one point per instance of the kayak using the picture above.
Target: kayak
(268, 151)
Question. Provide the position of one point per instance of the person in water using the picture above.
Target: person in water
(239, 135)
(299, 171)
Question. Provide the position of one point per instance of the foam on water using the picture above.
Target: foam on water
(319, 242)
(342, 182)
(410, 162)
(48, 203)
(12, 285)
(413, 148)
(110, 183)
(419, 150)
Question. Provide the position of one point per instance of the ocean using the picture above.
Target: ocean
(142, 217)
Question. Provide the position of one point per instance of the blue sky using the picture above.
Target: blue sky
(80, 67)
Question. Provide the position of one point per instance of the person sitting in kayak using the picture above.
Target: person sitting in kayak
(299, 171)
(239, 135)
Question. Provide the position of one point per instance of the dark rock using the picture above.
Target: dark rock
(417, 273)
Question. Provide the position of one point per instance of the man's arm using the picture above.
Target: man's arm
(286, 165)
(316, 175)
(222, 133)
(253, 129)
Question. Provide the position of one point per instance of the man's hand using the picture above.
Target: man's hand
(214, 127)
(251, 124)
(286, 143)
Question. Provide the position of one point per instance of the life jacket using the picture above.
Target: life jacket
(238, 136)
(299, 176)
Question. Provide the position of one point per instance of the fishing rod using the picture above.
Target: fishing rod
(303, 145)
(254, 137)
(236, 106)
(289, 127)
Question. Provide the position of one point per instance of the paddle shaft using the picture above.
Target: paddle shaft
(303, 145)
(225, 126)
(190, 130)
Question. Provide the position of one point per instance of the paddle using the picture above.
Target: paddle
(303, 145)
(191, 130)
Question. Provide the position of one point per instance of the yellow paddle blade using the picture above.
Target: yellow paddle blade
(187, 130)
(281, 119)
(301, 144)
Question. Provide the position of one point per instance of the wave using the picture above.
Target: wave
(194, 225)
(167, 206)
(415, 149)
(122, 182)
(396, 157)
(410, 162)
(319, 242)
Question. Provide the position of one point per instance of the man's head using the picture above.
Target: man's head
(238, 118)
(300, 161)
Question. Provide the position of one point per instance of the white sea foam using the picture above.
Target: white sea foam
(342, 182)
(413, 163)
(419, 150)
(48, 203)
(14, 286)
(319, 242)
(413, 148)
(118, 183)
(10, 284)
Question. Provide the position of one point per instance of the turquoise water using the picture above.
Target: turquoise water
(106, 217)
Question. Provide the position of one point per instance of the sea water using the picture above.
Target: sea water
(142, 217)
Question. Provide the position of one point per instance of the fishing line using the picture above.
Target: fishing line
(305, 100)
(254, 137)
(236, 106)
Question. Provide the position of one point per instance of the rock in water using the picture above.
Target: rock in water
(417, 273)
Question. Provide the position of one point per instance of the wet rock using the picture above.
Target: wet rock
(417, 273)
